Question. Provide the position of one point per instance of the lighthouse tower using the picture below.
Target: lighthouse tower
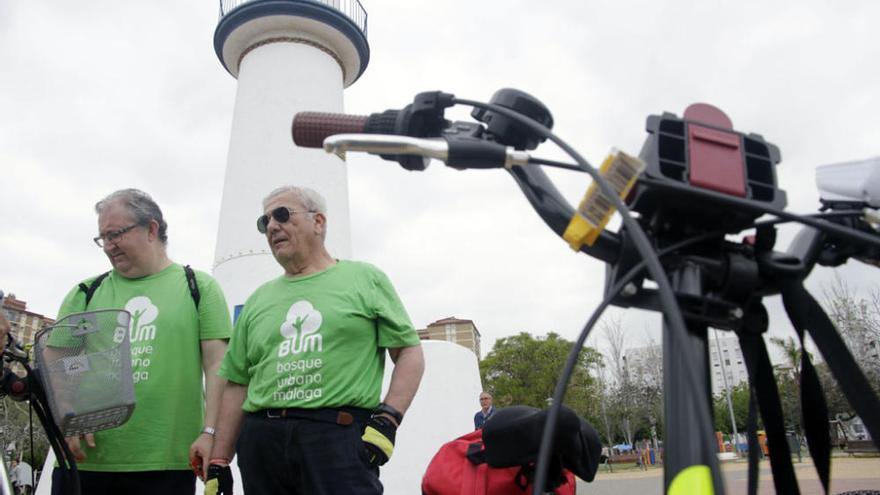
(288, 56)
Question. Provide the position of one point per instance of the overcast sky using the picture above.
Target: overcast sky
(101, 95)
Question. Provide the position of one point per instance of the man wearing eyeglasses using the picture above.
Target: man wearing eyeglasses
(486, 410)
(305, 365)
(175, 337)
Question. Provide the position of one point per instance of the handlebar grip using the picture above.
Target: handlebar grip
(309, 129)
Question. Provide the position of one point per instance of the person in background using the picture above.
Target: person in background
(486, 410)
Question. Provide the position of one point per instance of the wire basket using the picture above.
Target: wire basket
(84, 364)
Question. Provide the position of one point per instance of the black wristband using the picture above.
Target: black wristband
(384, 408)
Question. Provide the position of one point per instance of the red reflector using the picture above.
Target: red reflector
(716, 160)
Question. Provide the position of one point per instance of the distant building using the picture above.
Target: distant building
(25, 324)
(730, 360)
(646, 363)
(452, 329)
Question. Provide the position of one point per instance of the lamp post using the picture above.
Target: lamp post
(727, 393)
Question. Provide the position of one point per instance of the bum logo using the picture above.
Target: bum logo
(143, 313)
(300, 330)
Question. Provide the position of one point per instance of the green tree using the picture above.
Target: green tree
(789, 396)
(739, 396)
(523, 370)
(788, 381)
(792, 352)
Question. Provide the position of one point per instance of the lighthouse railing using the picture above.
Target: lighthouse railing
(353, 9)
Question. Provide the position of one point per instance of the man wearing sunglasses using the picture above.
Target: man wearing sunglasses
(176, 334)
(305, 365)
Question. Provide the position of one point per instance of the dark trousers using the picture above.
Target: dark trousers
(296, 456)
(128, 483)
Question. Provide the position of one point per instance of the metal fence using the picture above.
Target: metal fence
(351, 8)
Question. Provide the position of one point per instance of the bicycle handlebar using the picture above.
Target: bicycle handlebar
(544, 197)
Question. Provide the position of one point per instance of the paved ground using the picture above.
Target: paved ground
(860, 473)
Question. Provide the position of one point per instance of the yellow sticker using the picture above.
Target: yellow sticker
(621, 171)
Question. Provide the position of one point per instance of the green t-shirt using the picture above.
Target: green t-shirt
(318, 340)
(166, 333)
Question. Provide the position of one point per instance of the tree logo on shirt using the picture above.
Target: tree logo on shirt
(300, 330)
(143, 313)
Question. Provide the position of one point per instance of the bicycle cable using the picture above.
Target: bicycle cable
(571, 362)
(672, 313)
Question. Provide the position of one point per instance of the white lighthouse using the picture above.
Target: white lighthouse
(288, 56)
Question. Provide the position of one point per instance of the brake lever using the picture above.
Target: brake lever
(460, 150)
(388, 144)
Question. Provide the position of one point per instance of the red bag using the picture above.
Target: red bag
(452, 473)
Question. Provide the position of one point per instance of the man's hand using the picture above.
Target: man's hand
(76, 447)
(200, 452)
(379, 439)
(219, 480)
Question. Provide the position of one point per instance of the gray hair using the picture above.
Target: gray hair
(141, 207)
(311, 199)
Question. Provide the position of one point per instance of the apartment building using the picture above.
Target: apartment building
(25, 324)
(726, 357)
(455, 330)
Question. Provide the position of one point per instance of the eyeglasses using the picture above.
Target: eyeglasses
(280, 214)
(113, 236)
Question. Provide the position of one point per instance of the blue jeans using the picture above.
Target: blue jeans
(298, 456)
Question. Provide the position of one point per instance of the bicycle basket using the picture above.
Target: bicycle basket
(84, 364)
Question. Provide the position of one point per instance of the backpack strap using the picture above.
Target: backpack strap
(814, 410)
(764, 384)
(192, 284)
(844, 367)
(806, 314)
(754, 453)
(91, 288)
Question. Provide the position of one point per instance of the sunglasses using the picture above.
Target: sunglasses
(280, 214)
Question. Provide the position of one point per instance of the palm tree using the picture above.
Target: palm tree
(789, 384)
(792, 352)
